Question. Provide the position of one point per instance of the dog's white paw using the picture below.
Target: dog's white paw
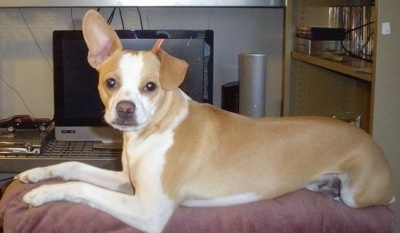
(34, 175)
(42, 195)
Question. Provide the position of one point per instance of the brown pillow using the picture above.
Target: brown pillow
(300, 211)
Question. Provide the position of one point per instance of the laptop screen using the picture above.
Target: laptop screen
(78, 109)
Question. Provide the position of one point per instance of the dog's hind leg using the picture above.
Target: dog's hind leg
(329, 183)
(361, 189)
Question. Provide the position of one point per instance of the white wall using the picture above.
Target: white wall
(26, 51)
(386, 125)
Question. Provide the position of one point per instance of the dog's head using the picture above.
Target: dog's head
(133, 85)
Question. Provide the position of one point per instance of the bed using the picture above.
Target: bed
(300, 211)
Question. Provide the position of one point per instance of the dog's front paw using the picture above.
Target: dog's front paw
(34, 175)
(42, 195)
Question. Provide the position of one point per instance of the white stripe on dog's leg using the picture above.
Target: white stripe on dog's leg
(112, 180)
(222, 201)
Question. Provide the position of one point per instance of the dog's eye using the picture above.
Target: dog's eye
(150, 86)
(111, 83)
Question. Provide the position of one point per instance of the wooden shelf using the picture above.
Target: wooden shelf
(356, 68)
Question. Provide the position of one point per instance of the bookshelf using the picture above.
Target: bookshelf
(322, 87)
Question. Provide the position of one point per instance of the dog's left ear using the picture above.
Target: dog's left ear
(172, 70)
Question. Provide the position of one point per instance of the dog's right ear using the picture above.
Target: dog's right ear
(100, 38)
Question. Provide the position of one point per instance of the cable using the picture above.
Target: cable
(359, 27)
(111, 17)
(72, 18)
(365, 44)
(7, 179)
(34, 38)
(19, 95)
(353, 54)
(140, 17)
(122, 19)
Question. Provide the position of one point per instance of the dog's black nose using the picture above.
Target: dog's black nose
(125, 109)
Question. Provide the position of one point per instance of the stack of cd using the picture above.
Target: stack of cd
(358, 22)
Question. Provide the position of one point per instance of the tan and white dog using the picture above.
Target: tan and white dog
(179, 152)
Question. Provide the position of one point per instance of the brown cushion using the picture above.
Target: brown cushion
(300, 211)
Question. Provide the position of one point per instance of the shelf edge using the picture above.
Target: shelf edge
(332, 65)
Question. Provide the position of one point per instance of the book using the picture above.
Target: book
(320, 33)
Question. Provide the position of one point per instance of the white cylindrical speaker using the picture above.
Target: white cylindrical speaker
(252, 78)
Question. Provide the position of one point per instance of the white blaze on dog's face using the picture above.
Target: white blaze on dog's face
(129, 88)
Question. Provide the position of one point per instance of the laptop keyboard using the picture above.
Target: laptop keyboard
(77, 150)
(53, 152)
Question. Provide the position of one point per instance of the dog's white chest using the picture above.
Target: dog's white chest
(145, 159)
